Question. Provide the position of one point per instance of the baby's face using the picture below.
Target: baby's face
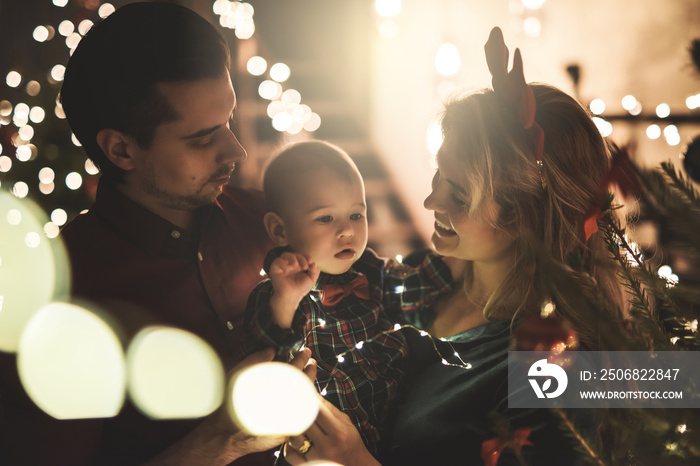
(327, 220)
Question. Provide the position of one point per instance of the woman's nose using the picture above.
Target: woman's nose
(432, 202)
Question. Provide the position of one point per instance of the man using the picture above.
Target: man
(148, 94)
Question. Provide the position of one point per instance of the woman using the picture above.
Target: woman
(519, 165)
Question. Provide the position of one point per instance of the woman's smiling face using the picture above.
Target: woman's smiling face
(457, 232)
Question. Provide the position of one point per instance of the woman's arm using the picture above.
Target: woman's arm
(333, 437)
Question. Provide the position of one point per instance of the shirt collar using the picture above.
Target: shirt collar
(144, 228)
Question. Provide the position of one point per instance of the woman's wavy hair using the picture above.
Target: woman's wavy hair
(499, 163)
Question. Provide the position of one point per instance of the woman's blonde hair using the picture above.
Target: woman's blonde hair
(499, 163)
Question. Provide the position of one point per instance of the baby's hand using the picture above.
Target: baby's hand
(293, 275)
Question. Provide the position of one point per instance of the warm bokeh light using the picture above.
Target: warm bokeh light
(5, 108)
(91, 168)
(60, 3)
(85, 26)
(40, 34)
(66, 28)
(313, 123)
(174, 374)
(279, 72)
(387, 8)
(26, 133)
(105, 10)
(604, 127)
(47, 188)
(269, 90)
(30, 277)
(71, 363)
(73, 40)
(20, 189)
(673, 137)
(33, 88)
(37, 114)
(75, 140)
(653, 131)
(57, 72)
(693, 102)
(256, 65)
(532, 27)
(273, 398)
(282, 121)
(13, 79)
(629, 102)
(74, 180)
(533, 4)
(597, 106)
(447, 60)
(59, 216)
(5, 164)
(663, 110)
(51, 230)
(245, 28)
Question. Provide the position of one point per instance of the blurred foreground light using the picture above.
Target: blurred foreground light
(597, 106)
(23, 153)
(105, 10)
(256, 65)
(73, 40)
(653, 131)
(13, 79)
(663, 110)
(20, 189)
(673, 137)
(279, 72)
(31, 275)
(447, 60)
(282, 121)
(5, 164)
(273, 398)
(5, 108)
(245, 28)
(60, 3)
(71, 363)
(174, 374)
(387, 8)
(291, 97)
(59, 216)
(693, 102)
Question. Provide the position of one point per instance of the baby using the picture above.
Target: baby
(327, 291)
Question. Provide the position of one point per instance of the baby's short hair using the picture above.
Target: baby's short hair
(283, 174)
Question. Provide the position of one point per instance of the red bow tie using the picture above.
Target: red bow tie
(332, 294)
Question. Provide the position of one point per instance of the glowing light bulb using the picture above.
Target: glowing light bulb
(423, 333)
(341, 358)
(360, 345)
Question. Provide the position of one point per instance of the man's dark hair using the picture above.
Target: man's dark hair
(110, 80)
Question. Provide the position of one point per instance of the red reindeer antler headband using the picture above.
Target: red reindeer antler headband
(513, 89)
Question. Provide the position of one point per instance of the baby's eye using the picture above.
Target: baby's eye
(356, 217)
(325, 219)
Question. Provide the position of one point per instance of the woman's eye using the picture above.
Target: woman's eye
(325, 219)
(356, 217)
(458, 201)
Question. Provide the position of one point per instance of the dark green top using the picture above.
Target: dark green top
(446, 412)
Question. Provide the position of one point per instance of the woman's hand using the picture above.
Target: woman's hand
(333, 437)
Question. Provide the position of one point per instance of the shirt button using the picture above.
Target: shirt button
(175, 234)
(229, 325)
(200, 256)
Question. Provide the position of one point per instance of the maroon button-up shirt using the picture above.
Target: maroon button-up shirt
(142, 270)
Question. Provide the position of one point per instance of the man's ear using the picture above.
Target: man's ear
(275, 228)
(116, 146)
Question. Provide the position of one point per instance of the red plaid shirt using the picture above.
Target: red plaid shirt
(365, 384)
